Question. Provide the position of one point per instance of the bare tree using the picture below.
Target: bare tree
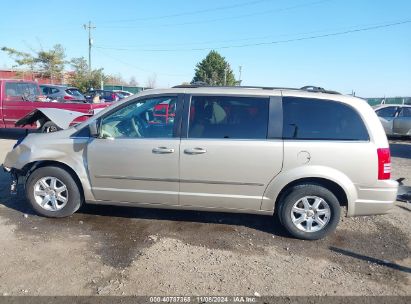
(151, 81)
(133, 82)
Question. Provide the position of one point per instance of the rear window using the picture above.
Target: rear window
(16, 89)
(317, 119)
(74, 92)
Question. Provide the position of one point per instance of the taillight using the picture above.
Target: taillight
(67, 97)
(384, 163)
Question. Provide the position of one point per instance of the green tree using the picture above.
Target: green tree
(22, 59)
(81, 78)
(51, 62)
(214, 70)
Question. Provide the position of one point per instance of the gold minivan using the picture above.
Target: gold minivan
(302, 154)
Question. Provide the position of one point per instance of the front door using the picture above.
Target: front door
(136, 157)
(226, 159)
(402, 123)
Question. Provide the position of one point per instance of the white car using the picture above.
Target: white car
(395, 118)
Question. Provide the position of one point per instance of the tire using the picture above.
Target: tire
(65, 202)
(295, 214)
(49, 127)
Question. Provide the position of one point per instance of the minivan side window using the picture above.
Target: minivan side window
(139, 119)
(228, 117)
(317, 119)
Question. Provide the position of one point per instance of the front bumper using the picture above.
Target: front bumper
(14, 179)
(374, 200)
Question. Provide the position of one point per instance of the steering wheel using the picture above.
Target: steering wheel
(137, 125)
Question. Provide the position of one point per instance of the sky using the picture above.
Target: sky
(345, 45)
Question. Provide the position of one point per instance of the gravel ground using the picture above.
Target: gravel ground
(105, 250)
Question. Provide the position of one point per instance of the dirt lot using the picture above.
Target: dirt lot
(132, 251)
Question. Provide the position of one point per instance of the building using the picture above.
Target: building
(29, 75)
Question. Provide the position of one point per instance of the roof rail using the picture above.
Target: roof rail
(197, 84)
(318, 90)
(313, 89)
(193, 86)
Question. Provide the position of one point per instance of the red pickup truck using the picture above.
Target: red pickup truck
(22, 105)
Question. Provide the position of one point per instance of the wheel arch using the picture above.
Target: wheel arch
(336, 181)
(29, 168)
(335, 188)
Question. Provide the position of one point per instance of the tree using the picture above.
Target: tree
(214, 70)
(50, 63)
(21, 58)
(133, 82)
(151, 81)
(81, 78)
(116, 80)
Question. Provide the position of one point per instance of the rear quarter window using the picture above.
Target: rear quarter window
(73, 92)
(318, 119)
(16, 89)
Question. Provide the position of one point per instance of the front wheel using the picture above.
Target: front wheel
(53, 192)
(310, 212)
(49, 127)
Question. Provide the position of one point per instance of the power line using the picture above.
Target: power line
(226, 7)
(265, 43)
(126, 47)
(223, 18)
(136, 67)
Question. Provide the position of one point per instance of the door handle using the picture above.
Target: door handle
(162, 150)
(195, 151)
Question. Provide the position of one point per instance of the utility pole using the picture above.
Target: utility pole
(225, 75)
(240, 69)
(90, 27)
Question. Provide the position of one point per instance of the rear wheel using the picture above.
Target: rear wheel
(53, 192)
(310, 212)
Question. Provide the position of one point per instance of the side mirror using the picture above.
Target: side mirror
(93, 126)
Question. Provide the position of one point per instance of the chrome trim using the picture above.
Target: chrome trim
(256, 197)
(177, 180)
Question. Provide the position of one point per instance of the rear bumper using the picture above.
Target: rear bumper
(374, 200)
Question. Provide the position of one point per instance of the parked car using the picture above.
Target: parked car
(395, 118)
(62, 93)
(300, 154)
(125, 94)
(102, 96)
(22, 105)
